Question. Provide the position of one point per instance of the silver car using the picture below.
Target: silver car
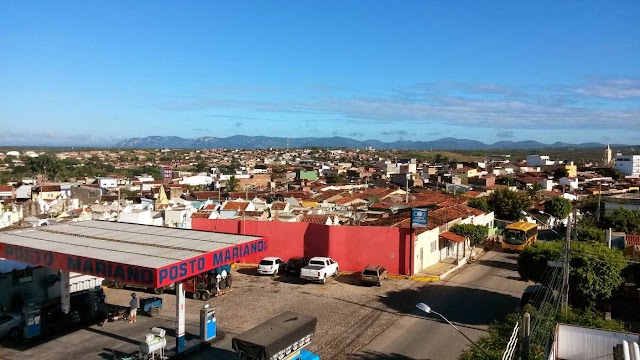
(10, 325)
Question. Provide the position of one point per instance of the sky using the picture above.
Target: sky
(96, 72)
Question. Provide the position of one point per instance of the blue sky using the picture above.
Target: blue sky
(95, 72)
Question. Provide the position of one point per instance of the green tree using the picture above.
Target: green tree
(534, 192)
(477, 234)
(201, 167)
(623, 220)
(480, 204)
(509, 205)
(591, 233)
(44, 165)
(615, 174)
(560, 173)
(559, 207)
(232, 184)
(532, 262)
(595, 270)
(495, 341)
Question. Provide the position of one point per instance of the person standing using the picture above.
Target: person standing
(133, 308)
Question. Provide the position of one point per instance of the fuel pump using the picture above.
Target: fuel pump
(207, 323)
(31, 316)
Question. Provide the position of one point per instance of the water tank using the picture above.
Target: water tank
(156, 344)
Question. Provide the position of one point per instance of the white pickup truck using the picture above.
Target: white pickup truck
(319, 269)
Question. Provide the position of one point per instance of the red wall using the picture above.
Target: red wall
(352, 246)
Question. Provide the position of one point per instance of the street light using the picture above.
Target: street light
(426, 308)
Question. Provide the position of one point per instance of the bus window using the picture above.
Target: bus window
(514, 237)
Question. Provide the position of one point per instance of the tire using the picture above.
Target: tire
(195, 295)
(324, 280)
(205, 296)
(118, 284)
(337, 272)
(275, 273)
(14, 333)
(158, 291)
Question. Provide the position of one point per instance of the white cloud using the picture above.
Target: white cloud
(611, 89)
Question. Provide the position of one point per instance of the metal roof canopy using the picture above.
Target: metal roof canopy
(140, 254)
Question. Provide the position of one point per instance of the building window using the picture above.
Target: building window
(434, 246)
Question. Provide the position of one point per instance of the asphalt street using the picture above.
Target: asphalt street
(472, 299)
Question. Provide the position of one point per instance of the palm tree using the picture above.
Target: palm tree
(232, 184)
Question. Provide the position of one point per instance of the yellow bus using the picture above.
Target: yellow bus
(517, 236)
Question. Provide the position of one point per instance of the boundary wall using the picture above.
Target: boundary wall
(353, 247)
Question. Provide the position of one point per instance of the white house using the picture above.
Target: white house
(196, 180)
(24, 191)
(144, 216)
(570, 182)
(628, 164)
(107, 182)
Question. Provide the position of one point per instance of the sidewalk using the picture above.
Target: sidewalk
(444, 268)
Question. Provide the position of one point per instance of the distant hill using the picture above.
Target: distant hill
(265, 142)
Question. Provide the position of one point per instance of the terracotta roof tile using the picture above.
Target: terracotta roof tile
(205, 195)
(50, 188)
(236, 205)
(6, 188)
(200, 215)
(315, 219)
(448, 235)
(278, 205)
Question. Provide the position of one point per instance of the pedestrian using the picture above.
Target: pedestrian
(133, 308)
(218, 280)
(223, 274)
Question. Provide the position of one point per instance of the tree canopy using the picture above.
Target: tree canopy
(477, 234)
(480, 204)
(623, 220)
(559, 207)
(509, 205)
(232, 184)
(595, 270)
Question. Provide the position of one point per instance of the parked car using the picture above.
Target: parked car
(271, 266)
(10, 325)
(295, 264)
(319, 269)
(373, 275)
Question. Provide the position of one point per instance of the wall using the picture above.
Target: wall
(352, 246)
(424, 242)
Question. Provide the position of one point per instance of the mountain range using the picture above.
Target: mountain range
(265, 142)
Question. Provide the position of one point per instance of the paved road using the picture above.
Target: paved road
(473, 298)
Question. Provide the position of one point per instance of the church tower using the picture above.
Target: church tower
(608, 159)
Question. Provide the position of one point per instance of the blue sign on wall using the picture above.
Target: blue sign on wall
(419, 217)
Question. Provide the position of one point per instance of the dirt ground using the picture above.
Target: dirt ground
(349, 315)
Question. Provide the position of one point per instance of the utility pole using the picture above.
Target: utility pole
(599, 197)
(525, 335)
(567, 260)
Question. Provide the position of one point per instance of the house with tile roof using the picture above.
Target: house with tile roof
(321, 219)
(6, 192)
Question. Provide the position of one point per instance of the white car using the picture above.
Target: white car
(270, 266)
(10, 325)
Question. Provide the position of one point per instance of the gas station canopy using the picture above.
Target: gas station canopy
(138, 254)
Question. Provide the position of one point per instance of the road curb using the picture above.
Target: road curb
(244, 266)
(414, 278)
